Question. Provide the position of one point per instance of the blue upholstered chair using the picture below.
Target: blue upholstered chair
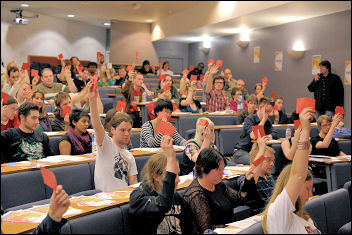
(340, 174)
(253, 229)
(54, 142)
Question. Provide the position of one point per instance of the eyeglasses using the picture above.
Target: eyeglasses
(219, 82)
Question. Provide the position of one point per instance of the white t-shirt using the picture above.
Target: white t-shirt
(113, 166)
(281, 218)
(168, 72)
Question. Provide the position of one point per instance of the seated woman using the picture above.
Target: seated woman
(161, 95)
(284, 212)
(209, 199)
(154, 205)
(175, 96)
(203, 139)
(44, 121)
(165, 69)
(24, 94)
(189, 104)
(77, 140)
(237, 103)
(149, 137)
(258, 91)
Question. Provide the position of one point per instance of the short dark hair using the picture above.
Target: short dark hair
(92, 64)
(234, 90)
(12, 70)
(10, 100)
(73, 57)
(161, 104)
(77, 114)
(327, 64)
(25, 109)
(146, 62)
(218, 78)
(201, 63)
(59, 96)
(166, 62)
(278, 98)
(265, 100)
(208, 159)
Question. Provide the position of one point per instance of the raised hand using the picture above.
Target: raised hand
(59, 203)
(35, 80)
(262, 141)
(305, 117)
(336, 119)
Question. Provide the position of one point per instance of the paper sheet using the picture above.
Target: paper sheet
(24, 216)
(52, 133)
(62, 158)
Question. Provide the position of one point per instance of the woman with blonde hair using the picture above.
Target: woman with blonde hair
(154, 205)
(203, 139)
(284, 212)
(44, 121)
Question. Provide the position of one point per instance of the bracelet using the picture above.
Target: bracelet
(303, 145)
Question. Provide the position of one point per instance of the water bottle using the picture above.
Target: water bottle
(288, 132)
(144, 97)
(94, 144)
(239, 104)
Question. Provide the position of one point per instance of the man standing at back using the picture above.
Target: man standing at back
(230, 82)
(328, 90)
(25, 142)
(115, 167)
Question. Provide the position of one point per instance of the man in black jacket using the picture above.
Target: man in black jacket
(328, 90)
(196, 71)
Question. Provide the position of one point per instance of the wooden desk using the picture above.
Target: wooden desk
(15, 228)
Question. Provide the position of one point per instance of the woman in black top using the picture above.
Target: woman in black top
(146, 68)
(189, 104)
(77, 140)
(209, 199)
(154, 205)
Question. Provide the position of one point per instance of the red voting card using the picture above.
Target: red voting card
(94, 80)
(339, 110)
(303, 103)
(165, 128)
(219, 63)
(193, 78)
(4, 97)
(25, 66)
(191, 67)
(167, 88)
(185, 71)
(297, 123)
(49, 178)
(275, 107)
(34, 72)
(60, 56)
(259, 128)
(211, 61)
(162, 77)
(202, 77)
(203, 122)
(67, 110)
(137, 53)
(273, 94)
(265, 79)
(161, 115)
(259, 161)
(121, 106)
(99, 53)
(129, 68)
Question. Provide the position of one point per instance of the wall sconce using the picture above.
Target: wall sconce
(242, 44)
(295, 54)
(204, 50)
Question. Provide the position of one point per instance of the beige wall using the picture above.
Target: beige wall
(126, 38)
(49, 36)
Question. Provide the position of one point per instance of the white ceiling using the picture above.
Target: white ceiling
(98, 12)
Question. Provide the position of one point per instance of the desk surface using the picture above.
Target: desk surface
(61, 133)
(13, 228)
(201, 114)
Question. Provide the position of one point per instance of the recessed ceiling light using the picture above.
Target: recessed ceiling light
(149, 20)
(24, 5)
(107, 24)
(71, 16)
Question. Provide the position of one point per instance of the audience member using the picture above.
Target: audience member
(209, 199)
(92, 68)
(44, 121)
(244, 145)
(25, 142)
(61, 122)
(165, 69)
(77, 140)
(75, 66)
(101, 64)
(24, 93)
(81, 101)
(203, 139)
(154, 205)
(189, 104)
(66, 70)
(262, 183)
(175, 96)
(9, 117)
(237, 103)
(196, 71)
(240, 85)
(115, 166)
(51, 88)
(252, 103)
(146, 68)
(14, 81)
(230, 82)
(324, 143)
(184, 85)
(162, 94)
(149, 137)
(279, 116)
(4, 76)
(284, 212)
(258, 91)
(105, 79)
(328, 90)
(216, 99)
(82, 80)
(121, 77)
